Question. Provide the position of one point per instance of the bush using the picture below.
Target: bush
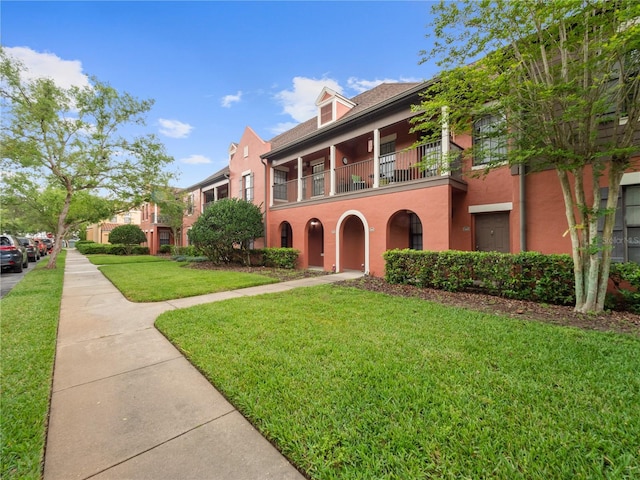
(91, 248)
(139, 250)
(626, 281)
(524, 276)
(280, 257)
(165, 249)
(127, 235)
(225, 230)
(187, 251)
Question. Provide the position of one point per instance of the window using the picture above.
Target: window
(415, 232)
(286, 235)
(247, 187)
(318, 178)
(127, 218)
(489, 140)
(164, 236)
(626, 231)
(279, 184)
(387, 159)
(326, 114)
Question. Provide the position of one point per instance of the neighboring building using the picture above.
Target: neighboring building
(99, 232)
(346, 186)
(201, 195)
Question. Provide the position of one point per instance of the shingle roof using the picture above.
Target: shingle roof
(107, 227)
(211, 178)
(363, 101)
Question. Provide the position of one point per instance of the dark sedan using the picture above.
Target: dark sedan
(12, 254)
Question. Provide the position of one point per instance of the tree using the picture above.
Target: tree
(171, 203)
(562, 80)
(36, 208)
(225, 230)
(127, 235)
(79, 139)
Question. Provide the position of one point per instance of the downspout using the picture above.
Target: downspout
(523, 211)
(266, 203)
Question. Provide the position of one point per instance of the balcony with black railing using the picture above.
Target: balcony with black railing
(422, 164)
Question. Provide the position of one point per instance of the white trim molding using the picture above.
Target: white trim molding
(491, 207)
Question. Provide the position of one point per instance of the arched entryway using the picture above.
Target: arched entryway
(353, 242)
(286, 235)
(315, 243)
(404, 230)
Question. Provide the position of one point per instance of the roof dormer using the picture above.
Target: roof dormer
(331, 106)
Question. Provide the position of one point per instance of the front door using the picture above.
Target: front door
(492, 232)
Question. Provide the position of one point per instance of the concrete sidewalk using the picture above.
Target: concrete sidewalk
(127, 405)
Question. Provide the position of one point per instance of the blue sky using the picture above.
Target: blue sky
(214, 68)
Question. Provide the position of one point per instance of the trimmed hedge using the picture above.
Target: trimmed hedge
(88, 248)
(524, 276)
(626, 280)
(281, 257)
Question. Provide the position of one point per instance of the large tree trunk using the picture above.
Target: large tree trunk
(60, 232)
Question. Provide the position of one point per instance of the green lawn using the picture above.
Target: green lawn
(30, 314)
(351, 384)
(165, 280)
(101, 259)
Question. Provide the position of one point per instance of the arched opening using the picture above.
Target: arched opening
(404, 230)
(286, 235)
(352, 252)
(315, 243)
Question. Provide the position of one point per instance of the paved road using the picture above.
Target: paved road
(9, 279)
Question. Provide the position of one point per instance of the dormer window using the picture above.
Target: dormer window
(331, 106)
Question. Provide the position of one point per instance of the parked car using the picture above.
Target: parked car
(42, 247)
(49, 243)
(33, 252)
(12, 254)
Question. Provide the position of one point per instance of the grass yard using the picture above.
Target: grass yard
(101, 259)
(166, 280)
(28, 329)
(351, 384)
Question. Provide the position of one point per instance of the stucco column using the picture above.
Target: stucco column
(445, 169)
(376, 158)
(332, 170)
(299, 179)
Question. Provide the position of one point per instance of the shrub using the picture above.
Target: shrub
(281, 257)
(92, 248)
(225, 230)
(626, 280)
(127, 235)
(524, 276)
(165, 249)
(139, 250)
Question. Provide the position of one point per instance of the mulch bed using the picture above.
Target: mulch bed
(619, 322)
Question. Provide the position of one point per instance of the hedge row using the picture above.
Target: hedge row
(89, 247)
(528, 275)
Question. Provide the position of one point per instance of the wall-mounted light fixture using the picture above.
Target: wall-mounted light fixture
(370, 146)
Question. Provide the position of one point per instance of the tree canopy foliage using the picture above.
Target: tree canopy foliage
(127, 235)
(77, 140)
(226, 228)
(560, 81)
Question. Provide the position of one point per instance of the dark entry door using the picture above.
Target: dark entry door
(492, 232)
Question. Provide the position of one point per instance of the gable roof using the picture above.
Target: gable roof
(363, 102)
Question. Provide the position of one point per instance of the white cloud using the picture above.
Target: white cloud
(300, 102)
(174, 128)
(65, 73)
(227, 100)
(360, 85)
(195, 160)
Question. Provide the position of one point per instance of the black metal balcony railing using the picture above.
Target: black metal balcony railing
(423, 162)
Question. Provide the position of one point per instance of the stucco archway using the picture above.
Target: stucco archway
(352, 242)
